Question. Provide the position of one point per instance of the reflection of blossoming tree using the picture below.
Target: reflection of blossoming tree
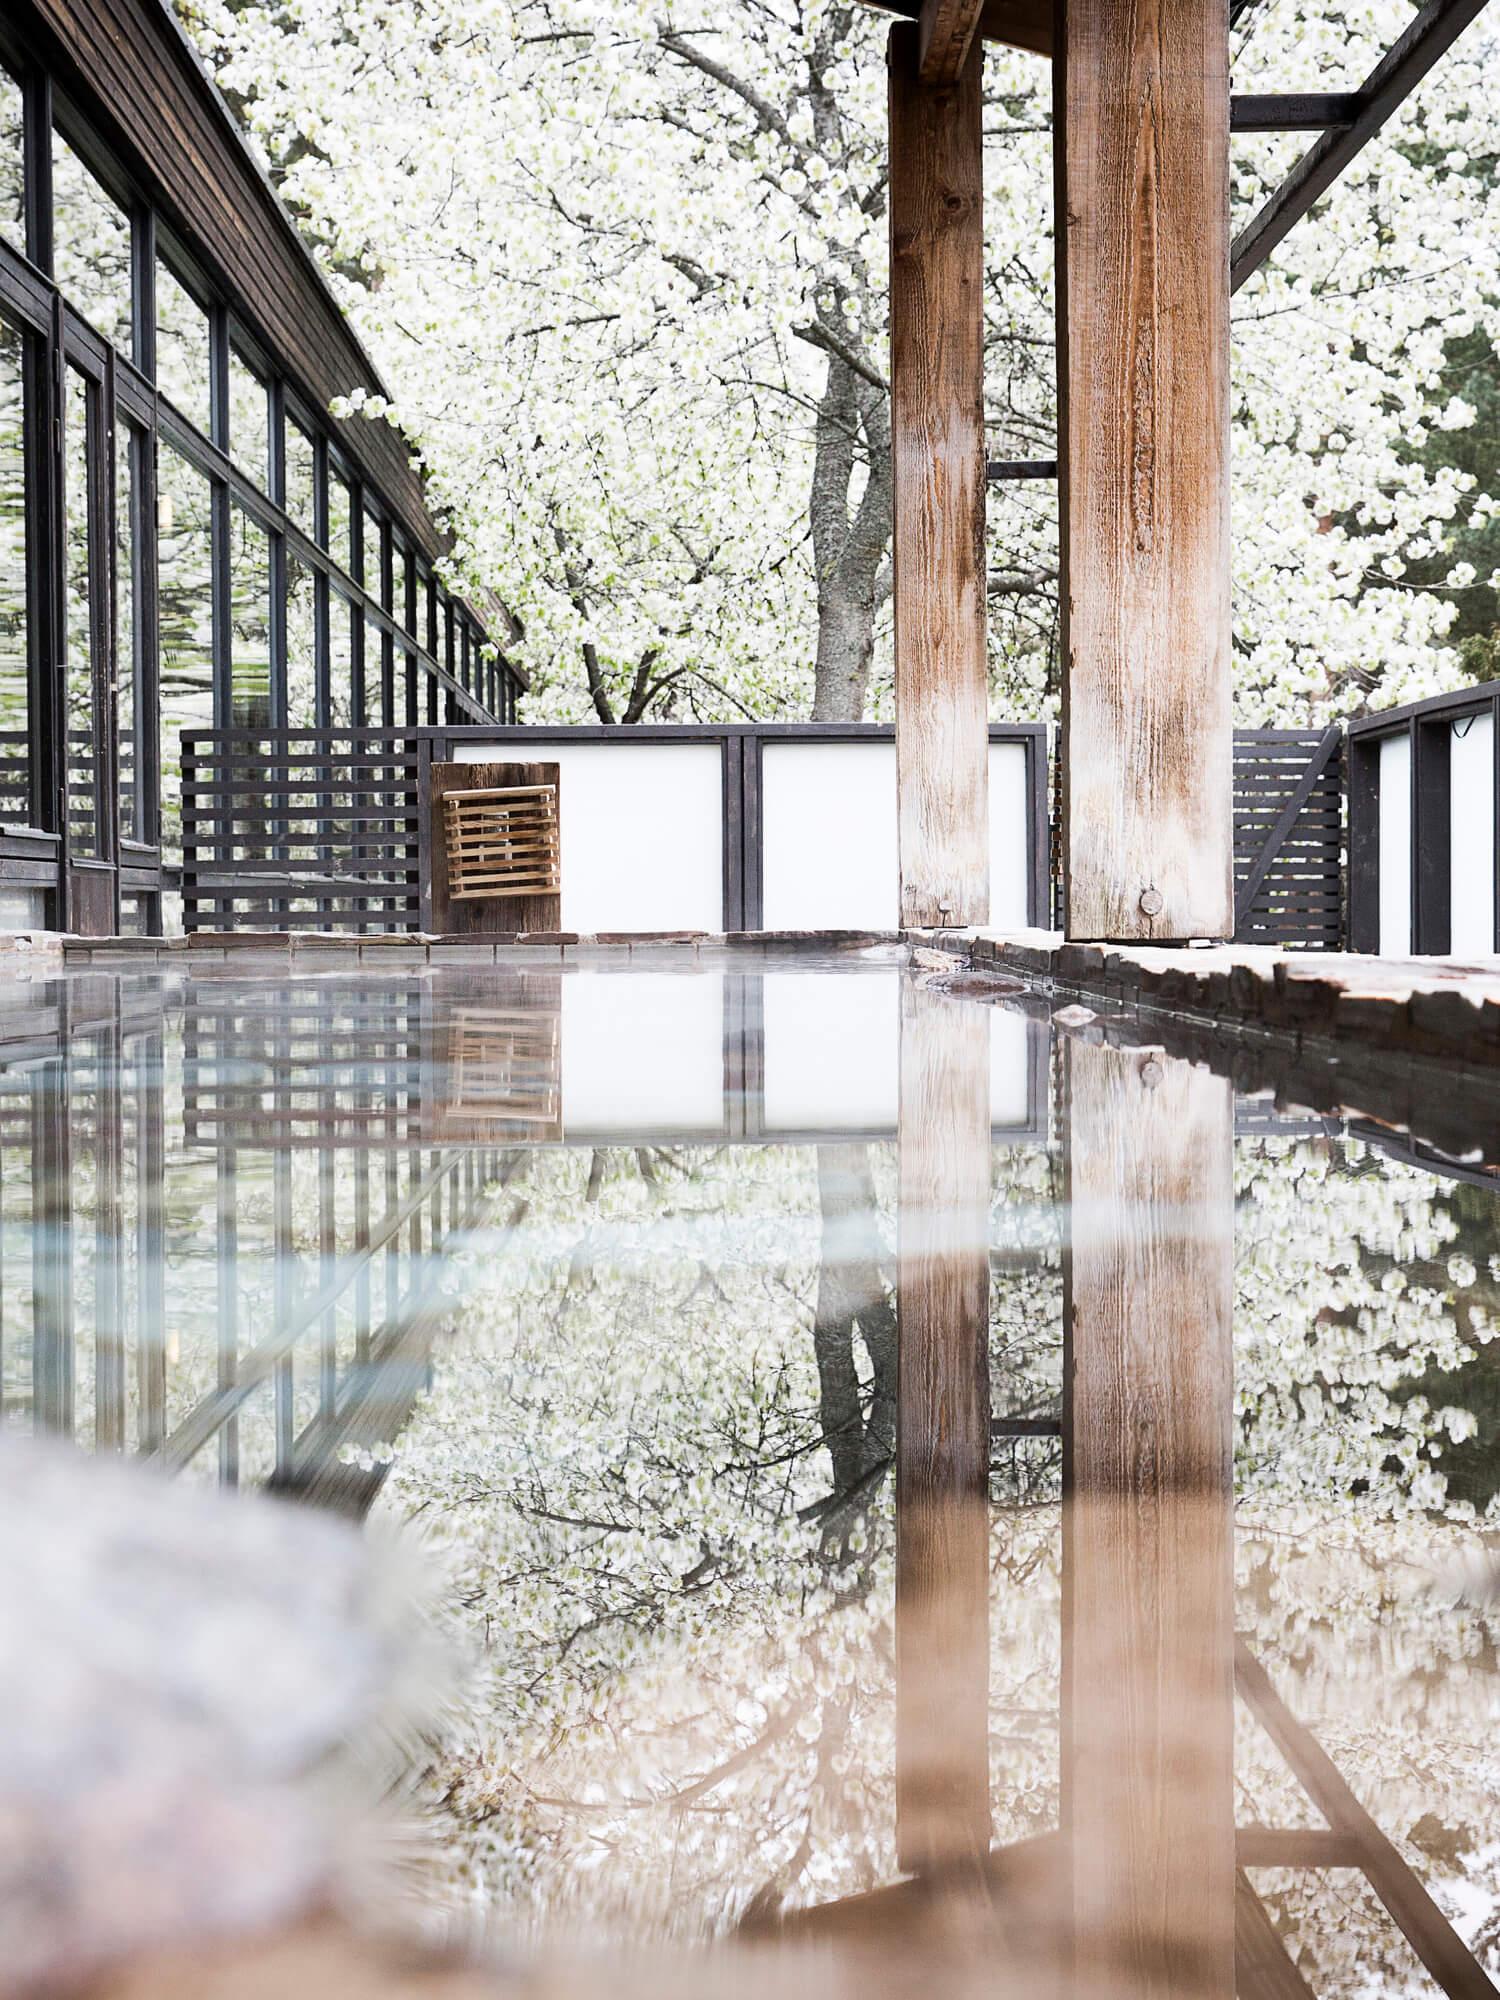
(656, 1456)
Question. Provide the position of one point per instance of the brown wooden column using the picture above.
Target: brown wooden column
(1148, 1553)
(1142, 155)
(937, 457)
(942, 1436)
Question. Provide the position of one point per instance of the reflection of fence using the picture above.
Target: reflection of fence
(241, 1291)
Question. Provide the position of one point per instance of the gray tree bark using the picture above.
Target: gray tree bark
(850, 538)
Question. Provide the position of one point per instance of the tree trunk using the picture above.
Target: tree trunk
(850, 541)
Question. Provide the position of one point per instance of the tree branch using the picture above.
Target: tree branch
(818, 335)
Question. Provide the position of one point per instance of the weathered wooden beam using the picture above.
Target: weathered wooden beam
(942, 1437)
(937, 452)
(1148, 1548)
(945, 34)
(1423, 1924)
(1017, 24)
(1393, 78)
(1142, 167)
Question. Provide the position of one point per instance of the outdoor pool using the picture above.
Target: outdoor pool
(577, 1282)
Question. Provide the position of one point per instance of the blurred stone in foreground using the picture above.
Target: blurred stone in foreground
(201, 1698)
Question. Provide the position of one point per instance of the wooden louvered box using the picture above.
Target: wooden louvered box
(501, 841)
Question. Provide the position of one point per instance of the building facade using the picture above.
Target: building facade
(187, 539)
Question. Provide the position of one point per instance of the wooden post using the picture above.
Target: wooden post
(1148, 1554)
(942, 1436)
(937, 459)
(1142, 168)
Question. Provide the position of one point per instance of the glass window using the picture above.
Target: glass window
(185, 607)
(12, 156)
(249, 422)
(340, 660)
(374, 569)
(130, 446)
(182, 372)
(250, 629)
(91, 246)
(83, 808)
(378, 661)
(15, 764)
(301, 648)
(338, 521)
(299, 476)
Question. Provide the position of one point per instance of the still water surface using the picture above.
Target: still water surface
(591, 1280)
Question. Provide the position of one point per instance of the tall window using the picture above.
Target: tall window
(249, 434)
(91, 246)
(15, 701)
(12, 163)
(131, 446)
(301, 645)
(185, 609)
(182, 371)
(299, 477)
(250, 625)
(82, 738)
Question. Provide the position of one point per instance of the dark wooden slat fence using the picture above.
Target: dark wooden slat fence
(1288, 837)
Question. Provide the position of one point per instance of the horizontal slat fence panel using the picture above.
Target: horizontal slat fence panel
(1288, 837)
(302, 829)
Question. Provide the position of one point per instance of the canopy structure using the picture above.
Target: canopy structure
(1145, 270)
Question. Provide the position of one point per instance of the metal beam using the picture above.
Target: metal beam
(998, 470)
(1393, 78)
(1278, 111)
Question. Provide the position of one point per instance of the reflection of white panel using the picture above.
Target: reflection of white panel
(1008, 858)
(1471, 819)
(832, 1044)
(642, 1052)
(1395, 845)
(829, 816)
(1010, 1068)
(642, 831)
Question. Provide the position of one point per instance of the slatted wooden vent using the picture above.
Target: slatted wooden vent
(502, 842)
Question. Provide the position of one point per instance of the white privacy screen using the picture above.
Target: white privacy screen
(641, 827)
(1471, 823)
(828, 814)
(642, 1052)
(1395, 845)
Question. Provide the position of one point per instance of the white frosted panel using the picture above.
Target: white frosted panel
(642, 831)
(1395, 845)
(1008, 860)
(1010, 1068)
(832, 1046)
(642, 1051)
(829, 816)
(1471, 811)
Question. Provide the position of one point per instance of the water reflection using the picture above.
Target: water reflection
(835, 1438)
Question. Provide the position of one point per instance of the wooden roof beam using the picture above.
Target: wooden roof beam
(1017, 24)
(1393, 78)
(945, 34)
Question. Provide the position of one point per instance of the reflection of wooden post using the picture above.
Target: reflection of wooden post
(1148, 1553)
(937, 462)
(943, 1435)
(1143, 393)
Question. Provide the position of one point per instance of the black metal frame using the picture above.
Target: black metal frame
(1427, 724)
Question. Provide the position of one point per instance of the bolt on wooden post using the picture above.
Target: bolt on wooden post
(1142, 176)
(937, 454)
